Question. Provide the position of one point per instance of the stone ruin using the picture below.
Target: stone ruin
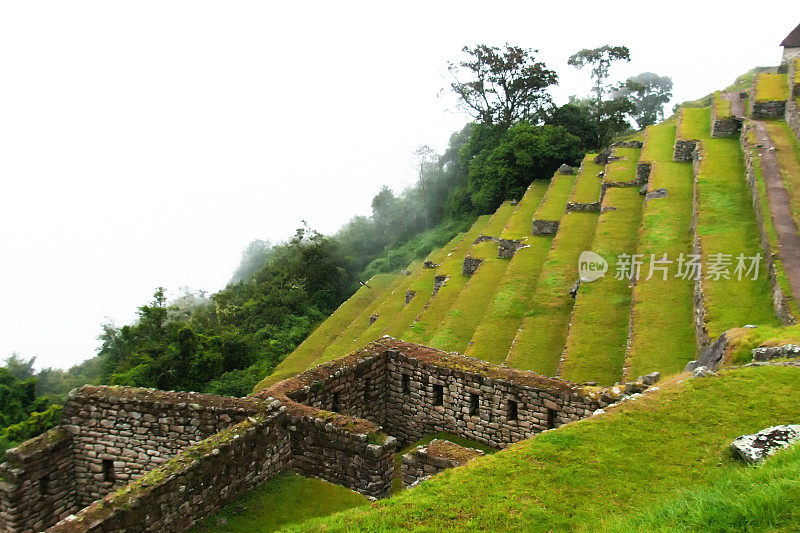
(127, 459)
(426, 461)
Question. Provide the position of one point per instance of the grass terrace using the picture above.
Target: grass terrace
(282, 500)
(434, 314)
(690, 126)
(587, 185)
(555, 200)
(622, 170)
(543, 333)
(666, 229)
(598, 335)
(771, 87)
(330, 330)
(349, 337)
(726, 225)
(466, 314)
(637, 458)
(722, 106)
(519, 225)
(424, 283)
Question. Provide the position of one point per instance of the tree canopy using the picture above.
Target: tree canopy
(648, 92)
(502, 86)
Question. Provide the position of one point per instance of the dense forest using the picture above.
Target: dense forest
(226, 342)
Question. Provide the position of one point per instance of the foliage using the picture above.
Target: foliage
(648, 93)
(502, 86)
(600, 60)
(579, 121)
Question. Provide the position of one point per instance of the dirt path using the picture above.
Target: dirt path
(737, 107)
(779, 206)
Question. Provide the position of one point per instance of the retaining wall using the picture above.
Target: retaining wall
(439, 455)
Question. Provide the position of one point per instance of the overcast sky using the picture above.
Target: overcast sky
(147, 143)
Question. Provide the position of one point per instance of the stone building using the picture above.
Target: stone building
(791, 45)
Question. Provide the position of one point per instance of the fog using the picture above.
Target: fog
(147, 143)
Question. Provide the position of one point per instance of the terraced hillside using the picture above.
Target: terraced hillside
(672, 213)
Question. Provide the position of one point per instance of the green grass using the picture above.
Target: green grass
(540, 340)
(326, 333)
(281, 501)
(722, 106)
(468, 311)
(726, 224)
(762, 498)
(796, 80)
(598, 335)
(437, 311)
(423, 285)
(587, 475)
(397, 479)
(663, 336)
(555, 200)
(622, 170)
(691, 125)
(519, 225)
(742, 341)
(587, 184)
(348, 340)
(493, 337)
(771, 87)
(469, 307)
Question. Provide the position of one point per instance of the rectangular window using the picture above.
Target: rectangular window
(438, 395)
(473, 404)
(44, 483)
(108, 470)
(551, 418)
(366, 389)
(512, 410)
(335, 402)
(406, 383)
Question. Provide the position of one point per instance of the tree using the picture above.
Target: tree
(579, 121)
(648, 93)
(600, 59)
(502, 86)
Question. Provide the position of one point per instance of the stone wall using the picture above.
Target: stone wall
(578, 207)
(37, 483)
(426, 461)
(340, 421)
(794, 86)
(724, 127)
(779, 299)
(544, 227)
(793, 116)
(769, 109)
(699, 301)
(683, 150)
(121, 433)
(202, 479)
(430, 391)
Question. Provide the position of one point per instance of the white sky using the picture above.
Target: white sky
(146, 143)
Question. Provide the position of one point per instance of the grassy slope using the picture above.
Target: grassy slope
(726, 224)
(360, 324)
(587, 185)
(598, 334)
(722, 106)
(392, 306)
(327, 332)
(587, 474)
(555, 200)
(749, 499)
(663, 335)
(540, 340)
(469, 310)
(622, 170)
(283, 500)
(432, 317)
(771, 87)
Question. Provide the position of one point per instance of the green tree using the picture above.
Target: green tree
(600, 60)
(502, 86)
(648, 92)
